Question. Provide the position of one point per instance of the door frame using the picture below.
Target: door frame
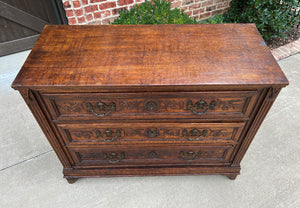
(27, 20)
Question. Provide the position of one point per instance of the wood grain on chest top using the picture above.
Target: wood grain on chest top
(150, 55)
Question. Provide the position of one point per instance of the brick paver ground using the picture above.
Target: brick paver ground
(286, 50)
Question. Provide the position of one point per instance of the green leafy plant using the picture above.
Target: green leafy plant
(153, 12)
(273, 18)
(217, 19)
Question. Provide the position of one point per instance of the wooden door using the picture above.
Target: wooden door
(21, 22)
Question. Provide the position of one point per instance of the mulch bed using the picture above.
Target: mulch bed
(293, 35)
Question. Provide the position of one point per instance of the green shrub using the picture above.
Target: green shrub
(273, 18)
(216, 19)
(153, 12)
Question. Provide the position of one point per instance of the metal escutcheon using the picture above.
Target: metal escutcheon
(193, 133)
(151, 106)
(100, 106)
(200, 105)
(108, 135)
(190, 155)
(151, 132)
(114, 157)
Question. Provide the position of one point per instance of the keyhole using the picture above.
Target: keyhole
(152, 132)
(151, 106)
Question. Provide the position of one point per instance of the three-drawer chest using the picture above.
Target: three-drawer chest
(138, 100)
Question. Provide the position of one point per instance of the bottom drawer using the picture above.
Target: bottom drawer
(150, 155)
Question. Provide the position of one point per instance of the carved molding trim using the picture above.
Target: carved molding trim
(262, 111)
(274, 93)
(32, 102)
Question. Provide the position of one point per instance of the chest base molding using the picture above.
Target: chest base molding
(229, 171)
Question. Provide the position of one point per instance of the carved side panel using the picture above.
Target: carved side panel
(31, 101)
(257, 121)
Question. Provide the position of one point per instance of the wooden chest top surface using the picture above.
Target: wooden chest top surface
(150, 55)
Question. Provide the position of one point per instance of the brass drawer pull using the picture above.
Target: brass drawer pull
(190, 155)
(108, 133)
(114, 157)
(201, 105)
(194, 132)
(100, 106)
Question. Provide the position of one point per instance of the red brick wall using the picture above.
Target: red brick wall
(102, 11)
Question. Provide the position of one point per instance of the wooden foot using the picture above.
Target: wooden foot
(71, 180)
(232, 176)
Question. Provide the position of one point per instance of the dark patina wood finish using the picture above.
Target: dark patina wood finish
(150, 100)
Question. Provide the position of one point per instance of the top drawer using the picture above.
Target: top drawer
(145, 106)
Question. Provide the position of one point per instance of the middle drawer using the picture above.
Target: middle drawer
(103, 133)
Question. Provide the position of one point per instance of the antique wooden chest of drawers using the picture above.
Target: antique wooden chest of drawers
(150, 100)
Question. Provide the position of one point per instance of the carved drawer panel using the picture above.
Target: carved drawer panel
(108, 106)
(150, 155)
(128, 133)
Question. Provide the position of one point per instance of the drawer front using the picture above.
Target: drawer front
(151, 155)
(145, 106)
(129, 133)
